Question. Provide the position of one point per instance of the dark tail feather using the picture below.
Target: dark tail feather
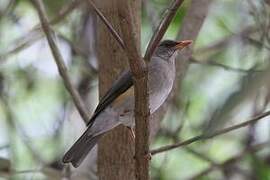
(80, 149)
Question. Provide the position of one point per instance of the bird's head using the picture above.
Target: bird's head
(168, 48)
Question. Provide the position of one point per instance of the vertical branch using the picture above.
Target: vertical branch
(139, 70)
(59, 60)
(115, 149)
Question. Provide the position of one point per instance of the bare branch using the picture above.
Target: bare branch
(64, 11)
(59, 60)
(163, 26)
(4, 11)
(211, 135)
(107, 24)
(79, 52)
(140, 74)
(20, 44)
(175, 137)
(34, 33)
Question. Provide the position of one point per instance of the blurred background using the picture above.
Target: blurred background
(227, 82)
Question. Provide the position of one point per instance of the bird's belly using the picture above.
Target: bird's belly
(160, 86)
(158, 98)
(127, 119)
(126, 111)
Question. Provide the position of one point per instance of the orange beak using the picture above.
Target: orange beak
(181, 44)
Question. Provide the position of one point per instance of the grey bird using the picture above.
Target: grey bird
(117, 105)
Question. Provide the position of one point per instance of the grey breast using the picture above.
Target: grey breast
(161, 75)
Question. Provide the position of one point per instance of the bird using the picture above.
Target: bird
(117, 105)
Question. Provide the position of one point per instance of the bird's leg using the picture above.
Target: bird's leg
(132, 134)
(148, 156)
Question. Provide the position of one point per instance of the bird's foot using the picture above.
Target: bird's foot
(148, 156)
(132, 134)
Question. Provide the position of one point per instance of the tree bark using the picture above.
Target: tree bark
(139, 71)
(116, 148)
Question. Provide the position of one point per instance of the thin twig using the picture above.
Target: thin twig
(107, 24)
(175, 136)
(163, 26)
(6, 10)
(59, 60)
(211, 135)
(79, 52)
(65, 10)
(22, 43)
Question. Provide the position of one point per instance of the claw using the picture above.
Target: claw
(148, 156)
(132, 134)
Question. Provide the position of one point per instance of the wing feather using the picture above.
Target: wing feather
(121, 85)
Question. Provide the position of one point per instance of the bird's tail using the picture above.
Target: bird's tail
(81, 148)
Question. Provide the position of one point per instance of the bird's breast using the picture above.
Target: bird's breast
(160, 83)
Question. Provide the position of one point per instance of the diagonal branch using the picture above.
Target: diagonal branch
(211, 135)
(107, 24)
(163, 26)
(22, 42)
(59, 60)
(65, 10)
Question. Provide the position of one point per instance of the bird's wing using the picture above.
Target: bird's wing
(121, 85)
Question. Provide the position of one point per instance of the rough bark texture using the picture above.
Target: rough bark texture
(116, 149)
(139, 70)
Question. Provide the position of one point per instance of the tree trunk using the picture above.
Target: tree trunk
(116, 149)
